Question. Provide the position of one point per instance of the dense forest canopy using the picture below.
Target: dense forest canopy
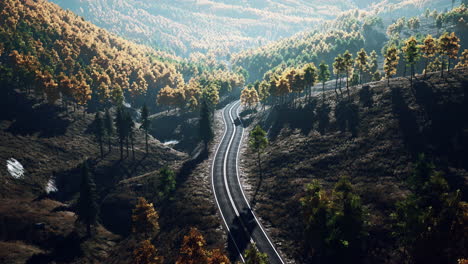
(63, 56)
(220, 26)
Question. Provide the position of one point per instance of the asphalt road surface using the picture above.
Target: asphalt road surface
(240, 221)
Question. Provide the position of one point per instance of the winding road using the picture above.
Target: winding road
(239, 220)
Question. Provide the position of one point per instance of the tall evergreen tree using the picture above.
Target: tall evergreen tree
(391, 62)
(131, 134)
(145, 124)
(348, 67)
(120, 125)
(86, 206)
(428, 49)
(310, 77)
(99, 131)
(109, 127)
(411, 51)
(205, 130)
(167, 182)
(258, 142)
(323, 76)
(361, 62)
(337, 69)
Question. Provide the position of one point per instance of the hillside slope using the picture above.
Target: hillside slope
(221, 26)
(389, 135)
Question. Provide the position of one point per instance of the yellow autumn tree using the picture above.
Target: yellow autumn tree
(449, 47)
(249, 97)
(146, 253)
(145, 219)
(463, 63)
(193, 249)
(218, 257)
(429, 50)
(391, 62)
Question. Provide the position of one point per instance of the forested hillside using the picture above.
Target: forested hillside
(221, 27)
(351, 30)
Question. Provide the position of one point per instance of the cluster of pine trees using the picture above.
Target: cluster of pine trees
(428, 225)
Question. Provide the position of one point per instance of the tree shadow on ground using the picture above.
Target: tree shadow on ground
(31, 117)
(302, 118)
(241, 229)
(412, 137)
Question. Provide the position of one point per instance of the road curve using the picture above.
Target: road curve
(239, 220)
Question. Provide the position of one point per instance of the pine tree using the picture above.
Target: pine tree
(109, 127)
(167, 182)
(254, 256)
(361, 62)
(310, 77)
(323, 77)
(120, 125)
(337, 70)
(86, 206)
(258, 142)
(428, 50)
(449, 47)
(145, 219)
(205, 130)
(411, 51)
(348, 67)
(131, 134)
(99, 131)
(193, 249)
(146, 253)
(145, 124)
(391, 62)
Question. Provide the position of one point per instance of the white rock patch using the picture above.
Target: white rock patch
(15, 168)
(51, 187)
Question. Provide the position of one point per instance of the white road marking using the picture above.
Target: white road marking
(214, 191)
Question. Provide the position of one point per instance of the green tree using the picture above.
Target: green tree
(254, 256)
(429, 223)
(99, 131)
(411, 50)
(131, 133)
(145, 124)
(338, 66)
(205, 129)
(315, 209)
(323, 77)
(348, 67)
(361, 61)
(120, 125)
(86, 206)
(109, 127)
(310, 77)
(258, 142)
(335, 228)
(167, 182)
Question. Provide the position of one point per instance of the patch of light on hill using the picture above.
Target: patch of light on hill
(51, 187)
(15, 168)
(171, 142)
